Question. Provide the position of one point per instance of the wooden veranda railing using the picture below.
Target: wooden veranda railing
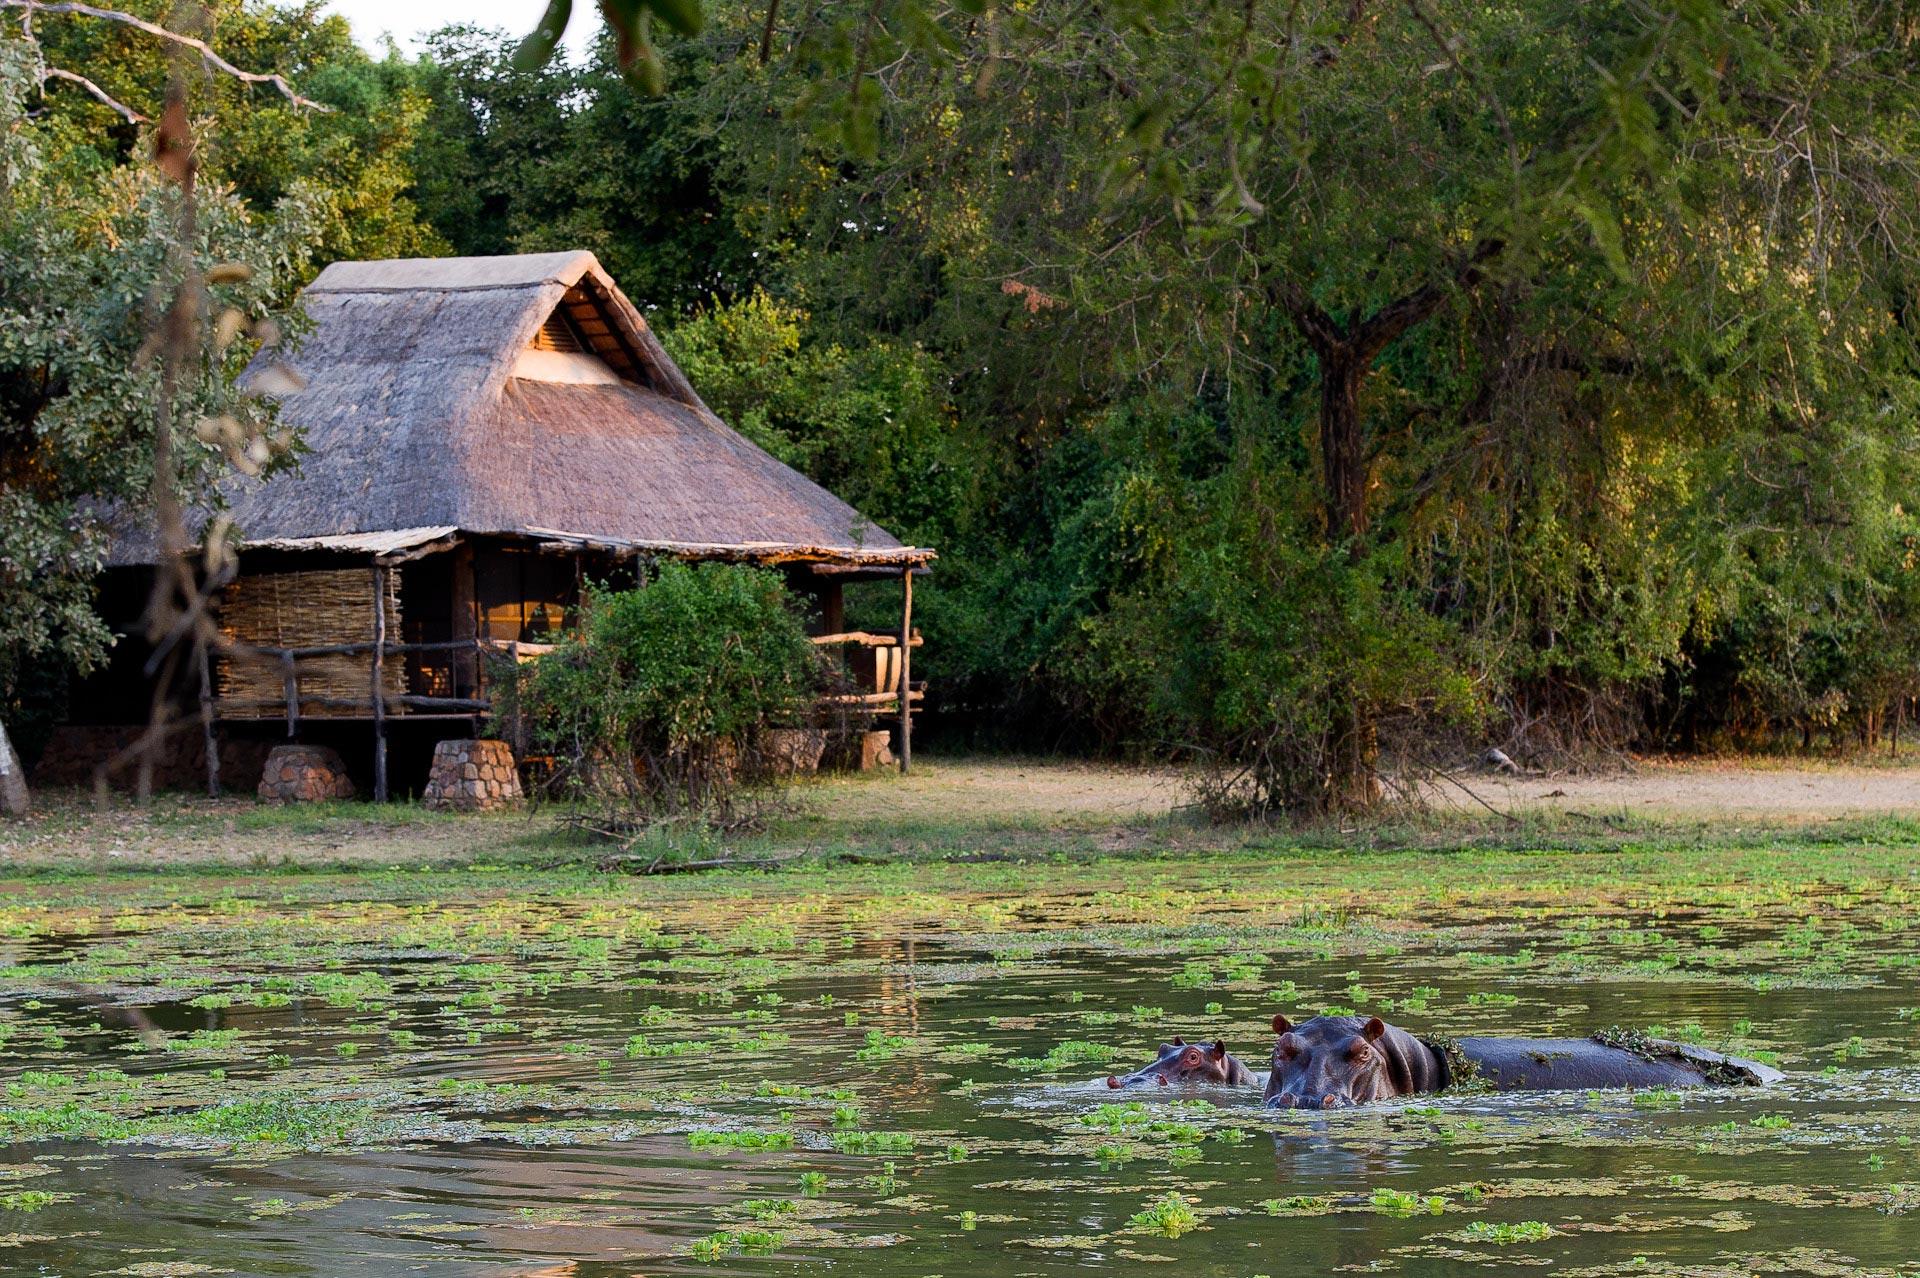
(893, 678)
(890, 675)
(378, 700)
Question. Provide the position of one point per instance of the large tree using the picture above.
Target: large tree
(1500, 270)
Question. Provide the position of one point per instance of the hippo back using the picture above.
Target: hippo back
(1560, 1064)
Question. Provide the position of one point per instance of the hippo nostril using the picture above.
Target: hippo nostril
(1329, 1102)
(1112, 1081)
(1162, 1078)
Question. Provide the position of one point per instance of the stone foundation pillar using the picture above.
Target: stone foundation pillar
(473, 776)
(876, 750)
(304, 774)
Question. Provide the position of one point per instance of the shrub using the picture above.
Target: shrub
(660, 702)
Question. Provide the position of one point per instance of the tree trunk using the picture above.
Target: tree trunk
(1346, 352)
(1343, 465)
(13, 779)
(1353, 772)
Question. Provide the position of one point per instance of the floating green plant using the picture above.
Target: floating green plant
(1172, 1215)
(728, 1242)
(750, 1140)
(1525, 1231)
(1394, 1202)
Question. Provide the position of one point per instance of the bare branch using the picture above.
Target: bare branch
(208, 57)
(766, 32)
(1401, 314)
(55, 73)
(1452, 55)
(1323, 334)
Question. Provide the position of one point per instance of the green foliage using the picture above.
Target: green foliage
(348, 165)
(661, 697)
(869, 423)
(87, 257)
(1641, 445)
(512, 161)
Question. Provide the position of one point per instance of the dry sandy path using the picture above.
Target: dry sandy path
(1706, 790)
(1006, 790)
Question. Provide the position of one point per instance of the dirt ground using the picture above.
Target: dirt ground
(1705, 790)
(1019, 791)
(944, 806)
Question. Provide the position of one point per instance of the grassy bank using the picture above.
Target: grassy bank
(966, 810)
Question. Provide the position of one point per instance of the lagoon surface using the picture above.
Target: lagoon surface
(894, 1071)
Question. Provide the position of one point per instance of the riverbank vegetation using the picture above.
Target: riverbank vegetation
(1287, 389)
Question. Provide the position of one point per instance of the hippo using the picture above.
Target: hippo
(1333, 1061)
(1189, 1064)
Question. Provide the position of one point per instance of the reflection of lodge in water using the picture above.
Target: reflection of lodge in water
(488, 437)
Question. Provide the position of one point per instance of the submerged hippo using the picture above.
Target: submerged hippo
(1333, 1061)
(1181, 1062)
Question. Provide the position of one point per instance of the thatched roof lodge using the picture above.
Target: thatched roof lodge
(486, 435)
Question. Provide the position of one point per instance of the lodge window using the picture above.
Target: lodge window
(525, 596)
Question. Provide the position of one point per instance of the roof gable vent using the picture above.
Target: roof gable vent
(560, 353)
(557, 334)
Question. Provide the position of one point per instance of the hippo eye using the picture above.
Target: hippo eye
(1190, 1057)
(1358, 1049)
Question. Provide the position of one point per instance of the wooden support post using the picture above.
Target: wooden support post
(906, 668)
(833, 608)
(291, 680)
(466, 624)
(379, 692)
(206, 721)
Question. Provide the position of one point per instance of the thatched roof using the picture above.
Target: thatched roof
(416, 418)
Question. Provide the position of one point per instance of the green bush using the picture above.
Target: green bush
(660, 702)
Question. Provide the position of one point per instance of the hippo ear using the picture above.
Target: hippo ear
(1281, 1024)
(1373, 1030)
(1178, 1041)
(1219, 1049)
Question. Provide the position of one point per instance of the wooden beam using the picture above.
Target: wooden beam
(379, 693)
(466, 621)
(421, 552)
(866, 639)
(868, 698)
(906, 664)
(291, 679)
(206, 721)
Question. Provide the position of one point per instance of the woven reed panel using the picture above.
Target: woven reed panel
(307, 610)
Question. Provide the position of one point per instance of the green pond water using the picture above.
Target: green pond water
(878, 1078)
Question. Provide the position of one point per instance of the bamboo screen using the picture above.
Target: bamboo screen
(306, 610)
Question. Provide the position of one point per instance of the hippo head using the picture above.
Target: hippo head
(1181, 1062)
(1334, 1061)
